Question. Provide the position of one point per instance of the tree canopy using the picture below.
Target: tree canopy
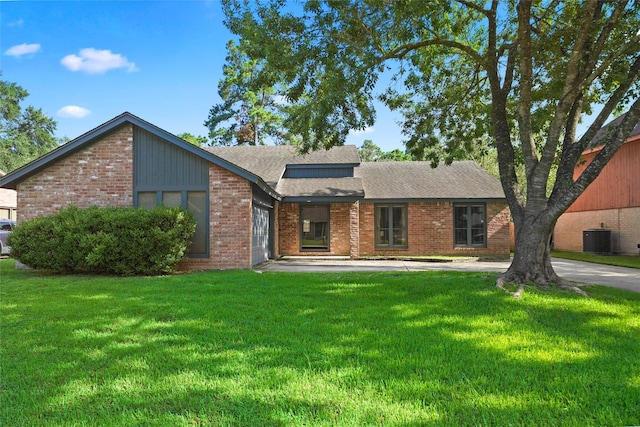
(25, 134)
(250, 112)
(193, 139)
(370, 152)
(522, 73)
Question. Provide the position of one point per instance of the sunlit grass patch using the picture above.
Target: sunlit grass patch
(348, 349)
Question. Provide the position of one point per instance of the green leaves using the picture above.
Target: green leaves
(120, 241)
(251, 111)
(24, 134)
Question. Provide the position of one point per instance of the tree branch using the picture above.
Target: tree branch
(594, 51)
(401, 51)
(569, 91)
(502, 134)
(475, 7)
(562, 197)
(526, 81)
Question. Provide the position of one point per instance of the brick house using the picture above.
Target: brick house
(611, 202)
(256, 203)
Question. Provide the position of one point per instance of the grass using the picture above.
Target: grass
(238, 348)
(632, 261)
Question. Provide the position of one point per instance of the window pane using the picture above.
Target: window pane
(398, 217)
(460, 236)
(383, 237)
(399, 237)
(477, 225)
(172, 198)
(147, 199)
(197, 205)
(383, 217)
(460, 216)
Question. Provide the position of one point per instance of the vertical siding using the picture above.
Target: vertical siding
(617, 186)
(160, 164)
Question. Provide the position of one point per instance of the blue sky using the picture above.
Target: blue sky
(85, 62)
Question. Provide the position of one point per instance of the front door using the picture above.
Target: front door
(314, 227)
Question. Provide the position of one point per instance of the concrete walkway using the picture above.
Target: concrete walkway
(577, 271)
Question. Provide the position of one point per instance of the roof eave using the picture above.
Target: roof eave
(12, 179)
(320, 199)
(435, 199)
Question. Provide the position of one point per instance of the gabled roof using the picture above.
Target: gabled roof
(602, 134)
(270, 162)
(12, 179)
(418, 180)
(265, 166)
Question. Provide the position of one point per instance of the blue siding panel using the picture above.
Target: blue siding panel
(319, 172)
(161, 164)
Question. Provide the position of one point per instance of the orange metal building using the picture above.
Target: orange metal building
(611, 202)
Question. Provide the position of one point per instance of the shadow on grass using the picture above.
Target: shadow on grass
(240, 348)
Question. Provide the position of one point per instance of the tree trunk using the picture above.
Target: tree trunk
(532, 256)
(531, 263)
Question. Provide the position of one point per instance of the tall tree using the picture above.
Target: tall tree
(522, 72)
(370, 152)
(25, 134)
(250, 112)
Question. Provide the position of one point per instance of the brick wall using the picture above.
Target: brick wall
(431, 231)
(354, 229)
(623, 223)
(230, 228)
(498, 236)
(288, 215)
(101, 174)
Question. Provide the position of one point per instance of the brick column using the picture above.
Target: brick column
(354, 230)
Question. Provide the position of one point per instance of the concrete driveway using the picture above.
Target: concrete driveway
(577, 271)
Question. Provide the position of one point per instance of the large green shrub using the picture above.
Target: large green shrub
(121, 241)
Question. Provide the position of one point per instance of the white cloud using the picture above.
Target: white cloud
(94, 61)
(73, 112)
(368, 129)
(18, 23)
(23, 49)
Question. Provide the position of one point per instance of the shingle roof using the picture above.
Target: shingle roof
(373, 180)
(321, 187)
(603, 132)
(265, 165)
(418, 180)
(269, 162)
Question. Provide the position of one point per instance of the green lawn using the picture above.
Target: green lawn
(631, 261)
(240, 348)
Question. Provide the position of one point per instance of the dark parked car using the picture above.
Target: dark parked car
(6, 226)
